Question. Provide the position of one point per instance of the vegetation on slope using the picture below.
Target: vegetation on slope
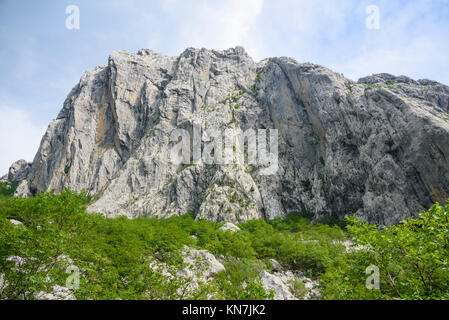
(7, 188)
(113, 255)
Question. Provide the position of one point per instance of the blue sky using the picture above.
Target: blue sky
(41, 60)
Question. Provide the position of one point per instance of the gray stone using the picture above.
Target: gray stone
(3, 283)
(200, 268)
(378, 148)
(281, 284)
(23, 189)
(58, 293)
(18, 261)
(15, 222)
(229, 226)
(278, 284)
(201, 265)
(19, 170)
(276, 265)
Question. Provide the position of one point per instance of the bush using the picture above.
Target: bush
(240, 281)
(8, 188)
(298, 288)
(113, 255)
(412, 257)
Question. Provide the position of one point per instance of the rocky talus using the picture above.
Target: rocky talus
(378, 147)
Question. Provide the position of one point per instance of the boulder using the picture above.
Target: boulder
(229, 226)
(279, 284)
(15, 222)
(58, 293)
(282, 283)
(201, 265)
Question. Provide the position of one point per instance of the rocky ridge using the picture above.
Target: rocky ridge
(377, 147)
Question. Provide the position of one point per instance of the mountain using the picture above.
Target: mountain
(377, 147)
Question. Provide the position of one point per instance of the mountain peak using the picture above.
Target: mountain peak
(377, 148)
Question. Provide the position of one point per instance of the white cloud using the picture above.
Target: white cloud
(303, 29)
(216, 25)
(421, 58)
(408, 43)
(328, 32)
(19, 137)
(334, 34)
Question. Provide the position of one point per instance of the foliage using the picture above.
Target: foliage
(241, 281)
(412, 258)
(113, 255)
(129, 258)
(8, 188)
(298, 288)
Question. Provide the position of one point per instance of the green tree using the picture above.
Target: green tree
(412, 258)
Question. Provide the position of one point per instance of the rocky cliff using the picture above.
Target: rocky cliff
(378, 147)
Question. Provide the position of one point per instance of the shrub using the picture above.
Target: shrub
(412, 257)
(8, 188)
(113, 254)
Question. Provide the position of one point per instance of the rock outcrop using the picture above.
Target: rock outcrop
(378, 147)
(229, 226)
(58, 293)
(201, 267)
(19, 170)
(15, 222)
(282, 284)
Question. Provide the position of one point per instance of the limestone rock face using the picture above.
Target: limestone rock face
(19, 170)
(378, 148)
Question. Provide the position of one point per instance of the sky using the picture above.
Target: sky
(44, 52)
